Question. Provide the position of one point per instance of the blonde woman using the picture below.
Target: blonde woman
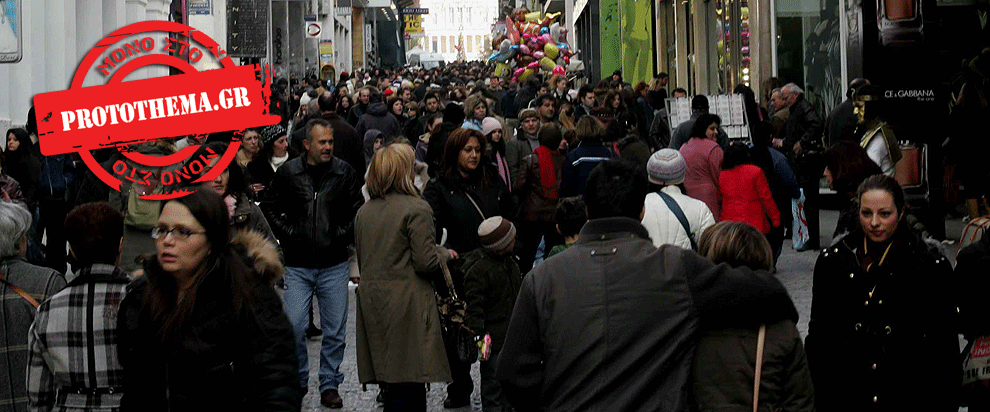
(725, 361)
(399, 345)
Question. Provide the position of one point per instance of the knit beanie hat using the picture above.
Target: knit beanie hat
(490, 124)
(271, 133)
(666, 167)
(527, 113)
(496, 233)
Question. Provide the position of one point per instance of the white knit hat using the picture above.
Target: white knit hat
(666, 167)
(496, 233)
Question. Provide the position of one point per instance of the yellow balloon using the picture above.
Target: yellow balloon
(501, 69)
(547, 63)
(550, 50)
(534, 16)
(526, 73)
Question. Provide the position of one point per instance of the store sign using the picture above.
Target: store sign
(313, 29)
(415, 10)
(10, 31)
(200, 7)
(414, 23)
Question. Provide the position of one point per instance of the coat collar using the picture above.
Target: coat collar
(609, 228)
(99, 273)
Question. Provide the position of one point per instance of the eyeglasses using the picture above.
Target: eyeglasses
(178, 233)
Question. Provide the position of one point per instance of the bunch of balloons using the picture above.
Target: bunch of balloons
(530, 45)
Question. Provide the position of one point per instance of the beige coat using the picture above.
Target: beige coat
(398, 326)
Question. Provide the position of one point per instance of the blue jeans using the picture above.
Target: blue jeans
(330, 286)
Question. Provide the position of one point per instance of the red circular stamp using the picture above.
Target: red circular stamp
(119, 114)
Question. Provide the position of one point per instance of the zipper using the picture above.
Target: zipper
(312, 220)
(168, 390)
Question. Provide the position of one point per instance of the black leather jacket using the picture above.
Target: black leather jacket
(314, 221)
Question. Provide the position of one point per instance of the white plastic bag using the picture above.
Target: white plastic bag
(799, 230)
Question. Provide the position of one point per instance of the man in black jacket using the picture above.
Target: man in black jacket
(316, 198)
(611, 323)
(803, 146)
(346, 141)
(359, 109)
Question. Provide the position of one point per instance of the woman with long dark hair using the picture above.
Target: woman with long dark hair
(203, 328)
(21, 162)
(465, 193)
(274, 153)
(883, 329)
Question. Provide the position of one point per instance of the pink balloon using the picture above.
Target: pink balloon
(538, 55)
(533, 45)
(518, 72)
(546, 38)
(524, 50)
(527, 36)
(559, 70)
(533, 65)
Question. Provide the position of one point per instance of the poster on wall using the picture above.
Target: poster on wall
(10, 31)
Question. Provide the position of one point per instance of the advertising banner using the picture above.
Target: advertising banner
(10, 31)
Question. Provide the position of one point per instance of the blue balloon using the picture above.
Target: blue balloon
(514, 47)
(544, 30)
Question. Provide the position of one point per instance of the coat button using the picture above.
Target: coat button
(858, 326)
(880, 302)
(603, 237)
(614, 249)
(592, 253)
(874, 366)
(867, 303)
(852, 275)
(887, 329)
(876, 400)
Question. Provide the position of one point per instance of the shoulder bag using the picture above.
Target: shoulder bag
(18, 290)
(759, 365)
(676, 210)
(452, 313)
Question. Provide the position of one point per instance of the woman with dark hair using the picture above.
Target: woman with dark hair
(203, 328)
(21, 162)
(882, 333)
(275, 151)
(745, 192)
(704, 162)
(397, 107)
(232, 187)
(494, 133)
(344, 104)
(464, 193)
(537, 184)
(724, 365)
(755, 114)
(847, 165)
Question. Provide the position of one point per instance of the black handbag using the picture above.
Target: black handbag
(452, 309)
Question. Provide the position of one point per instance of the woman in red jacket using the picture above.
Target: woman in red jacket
(744, 190)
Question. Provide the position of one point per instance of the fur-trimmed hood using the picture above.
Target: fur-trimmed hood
(261, 253)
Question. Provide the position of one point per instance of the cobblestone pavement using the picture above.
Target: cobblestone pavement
(794, 270)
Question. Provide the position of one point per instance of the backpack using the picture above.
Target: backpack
(141, 213)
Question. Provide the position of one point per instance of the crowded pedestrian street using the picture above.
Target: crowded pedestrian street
(494, 205)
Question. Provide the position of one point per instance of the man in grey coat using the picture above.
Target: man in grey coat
(611, 323)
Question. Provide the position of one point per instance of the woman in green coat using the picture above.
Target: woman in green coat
(399, 344)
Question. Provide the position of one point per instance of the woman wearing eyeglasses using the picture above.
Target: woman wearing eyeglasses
(203, 329)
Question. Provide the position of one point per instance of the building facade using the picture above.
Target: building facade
(459, 30)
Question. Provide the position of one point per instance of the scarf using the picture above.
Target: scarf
(548, 175)
(503, 169)
(277, 162)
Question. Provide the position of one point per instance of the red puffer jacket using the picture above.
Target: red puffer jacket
(746, 198)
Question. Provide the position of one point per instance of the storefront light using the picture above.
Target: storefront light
(746, 71)
(746, 77)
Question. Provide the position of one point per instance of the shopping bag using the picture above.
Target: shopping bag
(799, 231)
(976, 366)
